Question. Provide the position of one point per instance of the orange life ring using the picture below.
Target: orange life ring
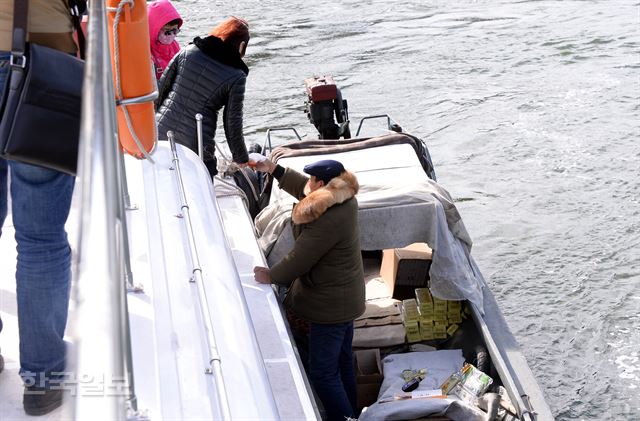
(133, 77)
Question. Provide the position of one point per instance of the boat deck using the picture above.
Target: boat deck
(260, 367)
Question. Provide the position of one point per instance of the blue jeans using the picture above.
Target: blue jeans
(41, 199)
(331, 368)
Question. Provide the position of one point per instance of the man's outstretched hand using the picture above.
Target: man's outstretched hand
(261, 162)
(262, 275)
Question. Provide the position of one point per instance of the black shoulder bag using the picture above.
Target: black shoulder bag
(41, 102)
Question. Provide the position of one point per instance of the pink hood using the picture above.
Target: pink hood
(160, 13)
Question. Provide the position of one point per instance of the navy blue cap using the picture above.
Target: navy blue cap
(324, 170)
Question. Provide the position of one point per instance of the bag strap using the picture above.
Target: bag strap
(20, 16)
(76, 8)
(20, 13)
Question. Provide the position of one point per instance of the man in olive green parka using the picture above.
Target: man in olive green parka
(324, 274)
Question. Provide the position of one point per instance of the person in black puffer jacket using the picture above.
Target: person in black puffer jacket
(204, 77)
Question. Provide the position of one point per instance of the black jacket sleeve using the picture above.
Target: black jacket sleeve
(232, 119)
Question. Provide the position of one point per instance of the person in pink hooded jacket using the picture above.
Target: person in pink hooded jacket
(164, 25)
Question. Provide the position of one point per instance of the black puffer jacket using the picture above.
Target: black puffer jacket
(202, 78)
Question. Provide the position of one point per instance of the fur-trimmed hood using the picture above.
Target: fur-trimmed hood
(338, 190)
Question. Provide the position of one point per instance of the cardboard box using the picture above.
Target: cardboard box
(368, 368)
(439, 305)
(425, 309)
(454, 306)
(440, 316)
(426, 330)
(405, 269)
(454, 311)
(454, 317)
(425, 302)
(427, 316)
(412, 330)
(440, 330)
(410, 310)
(423, 295)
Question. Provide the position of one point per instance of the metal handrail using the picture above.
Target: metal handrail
(98, 287)
(200, 138)
(138, 99)
(123, 205)
(127, 284)
(276, 129)
(214, 359)
(371, 117)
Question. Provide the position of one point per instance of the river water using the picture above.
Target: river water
(531, 111)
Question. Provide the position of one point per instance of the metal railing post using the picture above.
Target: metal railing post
(125, 187)
(132, 399)
(99, 287)
(123, 198)
(127, 285)
(200, 139)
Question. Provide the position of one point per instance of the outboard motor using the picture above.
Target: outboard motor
(323, 104)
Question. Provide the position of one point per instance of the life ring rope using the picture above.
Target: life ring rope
(116, 58)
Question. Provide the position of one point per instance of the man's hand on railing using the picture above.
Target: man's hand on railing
(262, 275)
(261, 163)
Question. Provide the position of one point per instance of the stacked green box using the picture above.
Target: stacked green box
(437, 319)
(440, 330)
(454, 312)
(439, 310)
(410, 317)
(412, 330)
(426, 330)
(425, 303)
(410, 310)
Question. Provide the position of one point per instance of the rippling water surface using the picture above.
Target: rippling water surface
(531, 110)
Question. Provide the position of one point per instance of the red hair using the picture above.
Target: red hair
(232, 30)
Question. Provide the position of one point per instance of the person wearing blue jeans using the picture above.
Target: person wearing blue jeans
(40, 199)
(331, 367)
